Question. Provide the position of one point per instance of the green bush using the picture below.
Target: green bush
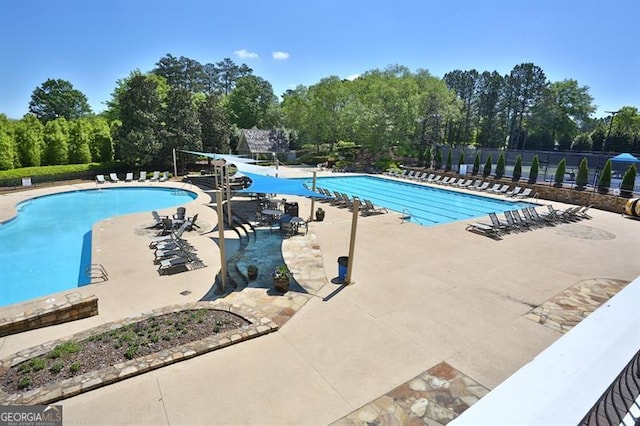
(533, 172)
(427, 158)
(476, 164)
(487, 167)
(560, 171)
(449, 160)
(583, 173)
(42, 174)
(605, 178)
(629, 179)
(460, 159)
(517, 169)
(438, 159)
(500, 166)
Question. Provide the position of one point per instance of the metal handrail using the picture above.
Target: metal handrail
(99, 270)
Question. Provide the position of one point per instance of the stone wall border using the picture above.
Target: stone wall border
(73, 307)
(95, 379)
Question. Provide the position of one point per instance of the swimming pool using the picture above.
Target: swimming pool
(47, 246)
(425, 205)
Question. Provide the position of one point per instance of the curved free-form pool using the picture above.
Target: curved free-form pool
(47, 246)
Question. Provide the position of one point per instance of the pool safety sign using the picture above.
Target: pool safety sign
(30, 415)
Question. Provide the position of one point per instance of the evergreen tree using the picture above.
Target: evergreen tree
(487, 167)
(517, 169)
(605, 178)
(629, 180)
(427, 158)
(79, 139)
(583, 173)
(56, 139)
(500, 166)
(476, 164)
(6, 150)
(533, 172)
(460, 159)
(29, 140)
(438, 159)
(560, 171)
(449, 160)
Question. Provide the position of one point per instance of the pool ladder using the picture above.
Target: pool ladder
(97, 271)
(407, 215)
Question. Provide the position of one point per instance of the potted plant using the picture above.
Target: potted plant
(281, 278)
(319, 214)
(252, 272)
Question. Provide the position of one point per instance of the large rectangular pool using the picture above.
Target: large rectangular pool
(425, 205)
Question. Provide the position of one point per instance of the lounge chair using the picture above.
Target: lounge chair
(143, 177)
(114, 177)
(475, 185)
(181, 213)
(494, 188)
(409, 175)
(583, 212)
(164, 177)
(515, 191)
(463, 183)
(500, 225)
(100, 179)
(179, 264)
(129, 177)
(155, 177)
(525, 193)
(502, 190)
(529, 219)
(191, 222)
(519, 220)
(452, 181)
(174, 235)
(484, 229)
(426, 178)
(417, 176)
(547, 218)
(482, 187)
(512, 222)
(369, 208)
(159, 220)
(436, 179)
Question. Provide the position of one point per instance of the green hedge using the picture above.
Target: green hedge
(40, 174)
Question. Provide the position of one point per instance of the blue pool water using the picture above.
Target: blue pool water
(425, 205)
(47, 246)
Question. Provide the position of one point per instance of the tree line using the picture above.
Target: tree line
(387, 113)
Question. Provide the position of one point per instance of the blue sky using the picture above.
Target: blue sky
(94, 43)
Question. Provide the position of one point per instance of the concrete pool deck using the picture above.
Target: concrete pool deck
(422, 296)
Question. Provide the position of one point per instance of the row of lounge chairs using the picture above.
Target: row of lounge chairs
(463, 183)
(113, 177)
(340, 199)
(526, 219)
(174, 254)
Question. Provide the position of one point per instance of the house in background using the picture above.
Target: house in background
(256, 142)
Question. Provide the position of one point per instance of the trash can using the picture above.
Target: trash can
(291, 208)
(343, 261)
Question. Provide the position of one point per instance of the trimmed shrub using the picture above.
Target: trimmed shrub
(560, 171)
(427, 158)
(629, 180)
(449, 160)
(460, 159)
(487, 167)
(533, 173)
(438, 159)
(605, 178)
(517, 169)
(476, 164)
(583, 173)
(500, 166)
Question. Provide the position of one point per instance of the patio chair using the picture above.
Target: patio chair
(529, 219)
(100, 179)
(484, 229)
(369, 208)
(494, 188)
(174, 235)
(500, 225)
(502, 190)
(515, 191)
(191, 222)
(180, 214)
(463, 183)
(475, 185)
(452, 181)
(129, 177)
(525, 193)
(436, 179)
(547, 218)
(143, 176)
(159, 220)
(114, 177)
(155, 177)
(583, 211)
(426, 178)
(164, 177)
(482, 187)
(519, 220)
(512, 222)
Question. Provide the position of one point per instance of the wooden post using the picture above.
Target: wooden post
(352, 240)
(223, 260)
(313, 188)
(175, 164)
(228, 197)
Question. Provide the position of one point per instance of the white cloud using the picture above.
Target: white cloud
(280, 55)
(352, 77)
(244, 53)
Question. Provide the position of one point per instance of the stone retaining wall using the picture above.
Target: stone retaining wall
(72, 308)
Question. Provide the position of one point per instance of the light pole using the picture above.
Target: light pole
(613, 114)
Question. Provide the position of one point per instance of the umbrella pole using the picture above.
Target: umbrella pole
(223, 260)
(313, 188)
(352, 241)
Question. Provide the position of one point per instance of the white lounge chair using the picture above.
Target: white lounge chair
(515, 191)
(164, 177)
(100, 179)
(129, 177)
(114, 177)
(155, 177)
(143, 176)
(525, 194)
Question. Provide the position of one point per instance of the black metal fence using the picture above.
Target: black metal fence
(620, 401)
